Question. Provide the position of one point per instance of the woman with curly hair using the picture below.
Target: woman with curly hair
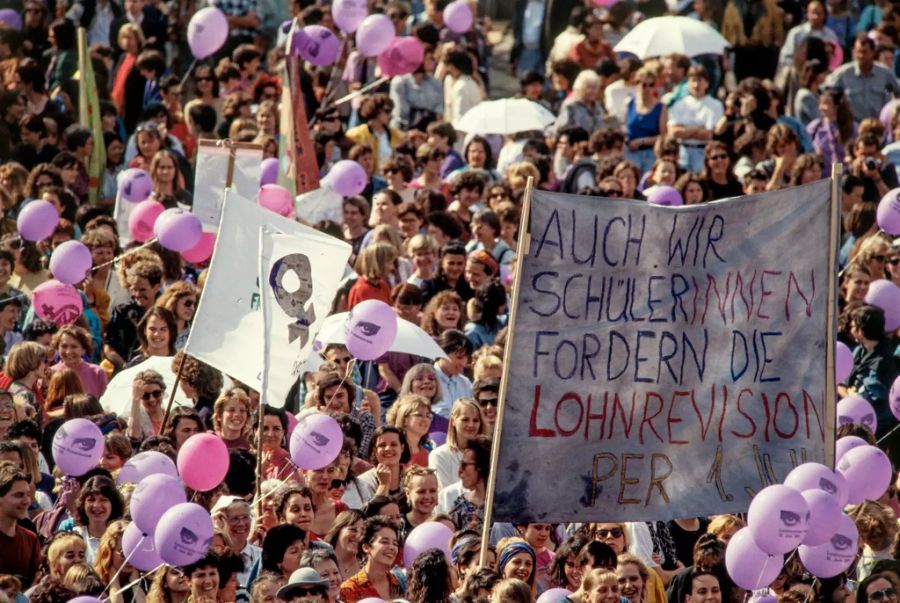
(443, 312)
(13, 180)
(170, 585)
(380, 543)
(73, 344)
(109, 562)
(429, 578)
(180, 299)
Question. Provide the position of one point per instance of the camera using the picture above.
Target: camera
(872, 163)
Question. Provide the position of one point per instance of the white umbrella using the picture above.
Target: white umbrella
(505, 116)
(117, 397)
(661, 36)
(410, 338)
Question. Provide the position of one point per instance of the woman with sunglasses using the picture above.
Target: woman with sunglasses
(147, 392)
(877, 588)
(871, 252)
(718, 177)
(464, 500)
(466, 422)
(181, 300)
(73, 344)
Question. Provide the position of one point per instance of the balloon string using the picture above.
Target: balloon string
(348, 371)
(362, 90)
(885, 436)
(132, 584)
(853, 259)
(124, 563)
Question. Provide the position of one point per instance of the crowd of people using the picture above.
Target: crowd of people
(434, 235)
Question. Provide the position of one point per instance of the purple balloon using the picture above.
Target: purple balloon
(11, 18)
(856, 410)
(894, 397)
(868, 473)
(777, 519)
(665, 195)
(843, 362)
(458, 17)
(426, 536)
(316, 441)
(37, 220)
(374, 35)
(207, 32)
(316, 44)
(178, 230)
(145, 464)
(824, 514)
(888, 213)
(183, 534)
(845, 445)
(749, 567)
(71, 262)
(836, 554)
(77, 447)
(554, 595)
(438, 437)
(348, 14)
(347, 178)
(139, 549)
(269, 172)
(884, 294)
(815, 476)
(370, 329)
(135, 185)
(152, 497)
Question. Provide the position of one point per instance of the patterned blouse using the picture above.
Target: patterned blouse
(359, 587)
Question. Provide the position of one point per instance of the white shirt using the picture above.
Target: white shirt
(250, 555)
(452, 389)
(448, 495)
(616, 97)
(640, 542)
(460, 95)
(692, 112)
(445, 462)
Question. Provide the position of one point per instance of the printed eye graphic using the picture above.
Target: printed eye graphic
(789, 518)
(84, 443)
(840, 542)
(868, 419)
(188, 537)
(319, 439)
(367, 329)
(844, 420)
(827, 486)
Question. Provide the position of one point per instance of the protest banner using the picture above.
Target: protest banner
(224, 164)
(665, 362)
(227, 331)
(298, 277)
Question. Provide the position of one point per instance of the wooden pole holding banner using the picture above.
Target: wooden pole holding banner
(264, 383)
(837, 172)
(521, 252)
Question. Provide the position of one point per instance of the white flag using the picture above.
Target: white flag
(227, 332)
(214, 162)
(298, 277)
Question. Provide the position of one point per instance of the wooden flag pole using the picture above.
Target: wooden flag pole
(837, 172)
(264, 384)
(522, 251)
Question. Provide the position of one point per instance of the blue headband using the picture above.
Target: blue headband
(510, 551)
(454, 554)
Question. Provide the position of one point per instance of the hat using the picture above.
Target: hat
(226, 501)
(305, 576)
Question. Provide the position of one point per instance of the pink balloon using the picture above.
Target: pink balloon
(425, 536)
(145, 464)
(202, 251)
(139, 549)
(203, 461)
(142, 219)
(316, 44)
(370, 329)
(178, 230)
(749, 567)
(836, 555)
(268, 174)
(292, 424)
(316, 441)
(868, 473)
(77, 447)
(458, 16)
(347, 178)
(845, 445)
(824, 514)
(135, 184)
(184, 534)
(152, 497)
(843, 362)
(37, 220)
(894, 398)
(207, 32)
(554, 595)
(277, 199)
(884, 294)
(57, 302)
(71, 262)
(665, 195)
(374, 35)
(403, 56)
(815, 476)
(777, 519)
(837, 56)
(856, 410)
(348, 14)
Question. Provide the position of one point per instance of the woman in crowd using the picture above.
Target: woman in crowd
(335, 393)
(464, 500)
(74, 344)
(422, 380)
(583, 108)
(344, 537)
(282, 548)
(231, 418)
(276, 461)
(466, 422)
(183, 423)
(443, 312)
(167, 181)
(646, 120)
(147, 391)
(429, 578)
(99, 504)
(181, 300)
(156, 334)
(478, 156)
(380, 543)
(389, 456)
(327, 508)
(632, 574)
(516, 559)
(718, 177)
(412, 415)
(420, 489)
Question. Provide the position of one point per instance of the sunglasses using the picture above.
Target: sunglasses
(893, 261)
(717, 157)
(878, 258)
(336, 484)
(157, 393)
(884, 593)
(305, 592)
(614, 532)
(487, 401)
(189, 303)
(611, 192)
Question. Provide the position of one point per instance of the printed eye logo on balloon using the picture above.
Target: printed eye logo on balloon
(840, 542)
(84, 444)
(188, 537)
(868, 420)
(366, 329)
(319, 439)
(790, 519)
(845, 420)
(827, 486)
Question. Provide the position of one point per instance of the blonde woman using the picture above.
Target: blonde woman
(26, 365)
(466, 422)
(375, 265)
(422, 380)
(724, 527)
(170, 585)
(633, 578)
(599, 586)
(231, 418)
(412, 415)
(110, 558)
